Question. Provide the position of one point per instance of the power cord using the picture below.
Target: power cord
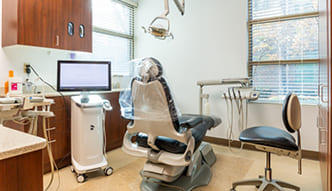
(67, 112)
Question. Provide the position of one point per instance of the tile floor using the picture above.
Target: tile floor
(230, 167)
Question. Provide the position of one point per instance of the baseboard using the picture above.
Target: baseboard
(312, 155)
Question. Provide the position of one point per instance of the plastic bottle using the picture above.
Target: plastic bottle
(14, 84)
(10, 75)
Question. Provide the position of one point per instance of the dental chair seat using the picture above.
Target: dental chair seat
(269, 136)
(198, 124)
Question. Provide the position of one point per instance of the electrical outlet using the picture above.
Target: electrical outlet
(27, 68)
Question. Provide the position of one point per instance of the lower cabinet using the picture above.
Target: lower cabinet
(23, 172)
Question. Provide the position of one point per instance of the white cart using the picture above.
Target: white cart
(88, 141)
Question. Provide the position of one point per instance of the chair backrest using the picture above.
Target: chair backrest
(154, 111)
(291, 113)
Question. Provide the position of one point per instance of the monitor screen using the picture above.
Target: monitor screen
(84, 76)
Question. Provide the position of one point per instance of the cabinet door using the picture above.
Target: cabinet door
(37, 23)
(85, 25)
(73, 14)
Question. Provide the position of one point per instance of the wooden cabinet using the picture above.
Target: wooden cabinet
(77, 13)
(23, 172)
(44, 23)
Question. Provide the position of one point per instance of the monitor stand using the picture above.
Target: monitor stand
(84, 97)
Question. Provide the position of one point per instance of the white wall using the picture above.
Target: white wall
(210, 43)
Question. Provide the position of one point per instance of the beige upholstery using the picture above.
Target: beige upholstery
(294, 113)
(152, 117)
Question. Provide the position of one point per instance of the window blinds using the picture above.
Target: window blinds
(283, 48)
(113, 38)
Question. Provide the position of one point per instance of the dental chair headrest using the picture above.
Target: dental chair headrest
(150, 69)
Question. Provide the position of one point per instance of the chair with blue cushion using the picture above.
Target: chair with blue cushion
(277, 141)
(177, 159)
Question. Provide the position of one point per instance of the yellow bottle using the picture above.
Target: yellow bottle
(11, 75)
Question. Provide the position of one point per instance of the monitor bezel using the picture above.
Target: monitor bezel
(59, 89)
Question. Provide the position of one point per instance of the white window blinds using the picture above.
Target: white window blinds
(283, 48)
(113, 38)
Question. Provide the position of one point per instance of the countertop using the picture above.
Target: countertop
(52, 93)
(14, 143)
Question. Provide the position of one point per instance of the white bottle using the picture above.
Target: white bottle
(15, 85)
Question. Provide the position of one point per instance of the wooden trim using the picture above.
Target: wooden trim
(312, 155)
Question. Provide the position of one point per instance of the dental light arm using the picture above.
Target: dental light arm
(166, 7)
(179, 5)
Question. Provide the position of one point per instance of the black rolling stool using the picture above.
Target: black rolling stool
(274, 140)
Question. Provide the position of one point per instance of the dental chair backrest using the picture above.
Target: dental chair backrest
(153, 107)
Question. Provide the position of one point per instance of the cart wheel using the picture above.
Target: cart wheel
(80, 178)
(72, 169)
(108, 171)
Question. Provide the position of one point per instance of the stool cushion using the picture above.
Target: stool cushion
(269, 136)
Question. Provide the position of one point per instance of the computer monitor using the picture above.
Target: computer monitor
(84, 76)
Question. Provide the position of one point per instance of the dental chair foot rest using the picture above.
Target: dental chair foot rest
(185, 183)
(201, 174)
(264, 185)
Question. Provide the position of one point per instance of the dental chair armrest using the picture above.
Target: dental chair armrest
(216, 120)
(189, 122)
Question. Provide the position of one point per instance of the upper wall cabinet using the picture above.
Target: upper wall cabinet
(62, 24)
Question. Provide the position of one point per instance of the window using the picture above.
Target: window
(113, 33)
(283, 48)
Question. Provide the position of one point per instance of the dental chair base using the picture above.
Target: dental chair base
(161, 177)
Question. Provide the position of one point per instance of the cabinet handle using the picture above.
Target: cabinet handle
(82, 30)
(322, 93)
(70, 28)
(57, 40)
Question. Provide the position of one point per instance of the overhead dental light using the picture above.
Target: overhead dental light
(160, 26)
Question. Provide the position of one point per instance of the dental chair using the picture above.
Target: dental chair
(177, 159)
(280, 142)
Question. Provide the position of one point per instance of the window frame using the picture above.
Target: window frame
(251, 22)
(131, 36)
